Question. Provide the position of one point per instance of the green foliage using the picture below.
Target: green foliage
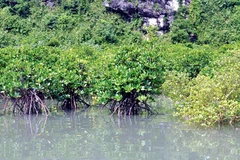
(58, 74)
(181, 36)
(21, 9)
(5, 3)
(175, 85)
(14, 25)
(66, 22)
(53, 42)
(212, 99)
(132, 69)
(181, 28)
(50, 21)
(211, 20)
(5, 39)
(69, 22)
(76, 6)
(190, 59)
(106, 32)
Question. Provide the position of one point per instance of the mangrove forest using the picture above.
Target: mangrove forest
(83, 54)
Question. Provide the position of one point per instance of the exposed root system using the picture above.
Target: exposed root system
(73, 101)
(130, 105)
(30, 101)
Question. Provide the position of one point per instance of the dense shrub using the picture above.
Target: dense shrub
(131, 78)
(56, 74)
(77, 6)
(6, 39)
(50, 21)
(211, 21)
(21, 9)
(211, 98)
(66, 22)
(190, 59)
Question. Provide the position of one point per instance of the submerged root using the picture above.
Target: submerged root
(4, 97)
(130, 105)
(30, 101)
(73, 101)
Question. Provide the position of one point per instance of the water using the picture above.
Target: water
(95, 135)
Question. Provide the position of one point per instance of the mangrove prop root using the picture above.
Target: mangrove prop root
(72, 102)
(30, 101)
(130, 105)
(6, 102)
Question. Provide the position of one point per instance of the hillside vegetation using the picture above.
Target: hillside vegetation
(80, 54)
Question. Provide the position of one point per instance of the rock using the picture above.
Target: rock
(186, 2)
(159, 13)
(49, 3)
(121, 6)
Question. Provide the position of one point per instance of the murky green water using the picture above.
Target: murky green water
(96, 135)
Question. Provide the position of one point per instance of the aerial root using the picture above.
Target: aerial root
(72, 102)
(128, 106)
(30, 101)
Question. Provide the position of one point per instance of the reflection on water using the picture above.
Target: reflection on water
(95, 135)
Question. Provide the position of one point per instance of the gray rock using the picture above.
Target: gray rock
(186, 2)
(121, 6)
(49, 3)
(159, 13)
